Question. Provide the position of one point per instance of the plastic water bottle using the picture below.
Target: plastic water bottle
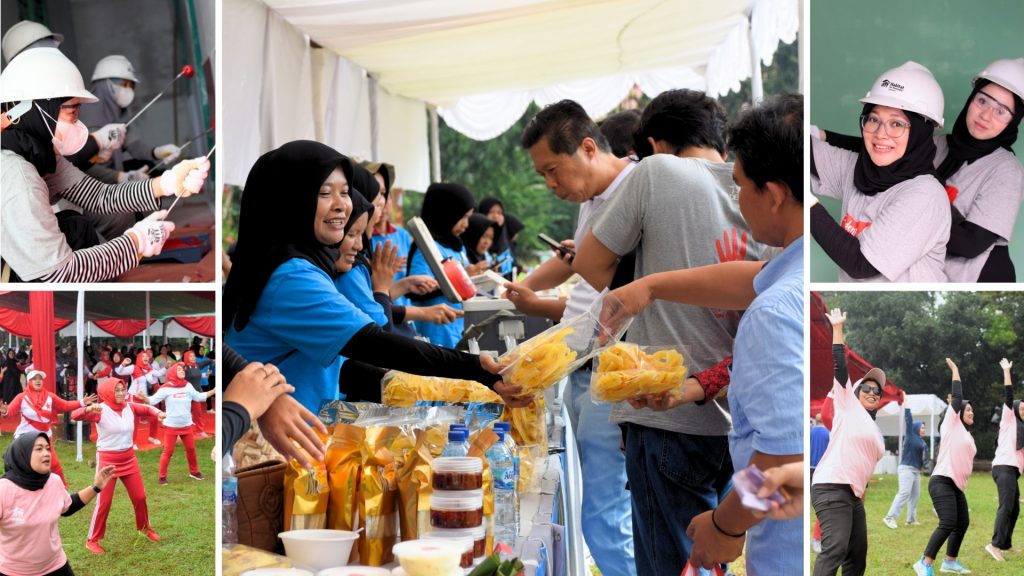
(457, 445)
(229, 498)
(513, 449)
(504, 477)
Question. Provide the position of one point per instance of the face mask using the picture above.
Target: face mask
(72, 136)
(123, 95)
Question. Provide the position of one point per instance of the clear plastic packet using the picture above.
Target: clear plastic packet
(624, 371)
(402, 389)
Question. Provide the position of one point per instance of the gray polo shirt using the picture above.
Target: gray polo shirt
(902, 231)
(679, 213)
(988, 193)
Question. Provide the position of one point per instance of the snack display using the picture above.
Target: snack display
(403, 389)
(463, 509)
(626, 371)
(457, 474)
(240, 558)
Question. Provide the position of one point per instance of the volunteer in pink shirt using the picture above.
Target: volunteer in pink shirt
(949, 479)
(837, 491)
(1007, 468)
(31, 502)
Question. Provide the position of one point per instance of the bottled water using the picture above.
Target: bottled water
(513, 449)
(229, 498)
(504, 476)
(457, 445)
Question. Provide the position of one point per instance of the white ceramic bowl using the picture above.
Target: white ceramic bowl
(277, 572)
(428, 557)
(319, 549)
(355, 571)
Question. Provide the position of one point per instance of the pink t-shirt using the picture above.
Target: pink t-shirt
(855, 445)
(956, 452)
(1006, 449)
(29, 541)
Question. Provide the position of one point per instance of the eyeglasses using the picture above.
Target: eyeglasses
(70, 107)
(870, 124)
(868, 389)
(1000, 113)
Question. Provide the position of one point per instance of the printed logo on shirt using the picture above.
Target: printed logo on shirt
(853, 227)
(731, 248)
(18, 516)
(952, 192)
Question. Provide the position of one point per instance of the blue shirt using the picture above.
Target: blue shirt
(355, 285)
(766, 397)
(819, 443)
(300, 324)
(403, 241)
(446, 335)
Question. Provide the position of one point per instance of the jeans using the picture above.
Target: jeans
(607, 517)
(844, 530)
(954, 518)
(1009, 505)
(909, 492)
(673, 477)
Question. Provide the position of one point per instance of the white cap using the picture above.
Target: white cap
(41, 74)
(909, 87)
(23, 34)
(35, 373)
(114, 66)
(1007, 73)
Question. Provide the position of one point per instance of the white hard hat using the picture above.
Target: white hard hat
(1007, 73)
(40, 74)
(909, 87)
(24, 33)
(114, 66)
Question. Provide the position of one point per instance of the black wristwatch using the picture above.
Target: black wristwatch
(96, 489)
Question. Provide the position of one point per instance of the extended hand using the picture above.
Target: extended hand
(1005, 364)
(287, 422)
(103, 475)
(836, 317)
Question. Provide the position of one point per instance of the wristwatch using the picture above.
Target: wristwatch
(96, 489)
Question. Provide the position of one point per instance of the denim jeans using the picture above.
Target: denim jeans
(909, 492)
(673, 477)
(607, 515)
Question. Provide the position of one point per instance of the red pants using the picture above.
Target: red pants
(198, 414)
(126, 469)
(55, 466)
(170, 439)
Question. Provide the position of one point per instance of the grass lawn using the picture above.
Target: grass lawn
(892, 552)
(183, 513)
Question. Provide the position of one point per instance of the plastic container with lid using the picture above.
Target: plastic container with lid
(465, 543)
(428, 557)
(355, 571)
(456, 509)
(449, 473)
(478, 535)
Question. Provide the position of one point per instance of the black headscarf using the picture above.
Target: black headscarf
(1020, 425)
(31, 140)
(917, 160)
(512, 227)
(444, 205)
(964, 148)
(368, 188)
(501, 236)
(387, 171)
(276, 221)
(18, 463)
(360, 206)
(478, 226)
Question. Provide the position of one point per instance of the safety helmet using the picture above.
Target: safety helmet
(909, 87)
(41, 74)
(114, 66)
(23, 34)
(1007, 73)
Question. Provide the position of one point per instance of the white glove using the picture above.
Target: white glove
(1005, 364)
(168, 153)
(111, 136)
(133, 175)
(185, 178)
(836, 316)
(151, 232)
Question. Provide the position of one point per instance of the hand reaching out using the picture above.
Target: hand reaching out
(103, 476)
(836, 317)
(1005, 364)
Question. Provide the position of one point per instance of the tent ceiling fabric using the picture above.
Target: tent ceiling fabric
(120, 305)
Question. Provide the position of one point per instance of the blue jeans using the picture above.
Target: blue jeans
(673, 477)
(607, 515)
(909, 492)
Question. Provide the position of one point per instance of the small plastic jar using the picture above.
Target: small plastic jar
(460, 509)
(465, 543)
(456, 473)
(478, 535)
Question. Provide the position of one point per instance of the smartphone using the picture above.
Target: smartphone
(747, 482)
(555, 245)
(499, 263)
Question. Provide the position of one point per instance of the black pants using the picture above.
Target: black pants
(1009, 505)
(954, 518)
(844, 530)
(998, 267)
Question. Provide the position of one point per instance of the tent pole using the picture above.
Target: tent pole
(374, 118)
(79, 333)
(145, 333)
(435, 144)
(756, 83)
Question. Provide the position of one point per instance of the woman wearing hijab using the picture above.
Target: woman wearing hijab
(114, 418)
(1007, 467)
(10, 382)
(479, 238)
(842, 475)
(179, 397)
(494, 210)
(194, 376)
(144, 378)
(31, 502)
(946, 486)
(895, 222)
(911, 465)
(38, 409)
(281, 305)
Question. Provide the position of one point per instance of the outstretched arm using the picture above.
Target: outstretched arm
(958, 389)
(838, 318)
(1007, 382)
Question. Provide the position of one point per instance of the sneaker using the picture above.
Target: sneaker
(954, 567)
(150, 534)
(816, 546)
(196, 476)
(135, 447)
(995, 552)
(913, 523)
(153, 441)
(162, 481)
(922, 569)
(94, 547)
(890, 522)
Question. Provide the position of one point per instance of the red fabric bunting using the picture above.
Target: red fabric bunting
(20, 323)
(122, 328)
(202, 325)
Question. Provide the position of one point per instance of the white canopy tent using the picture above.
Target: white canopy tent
(361, 76)
(156, 330)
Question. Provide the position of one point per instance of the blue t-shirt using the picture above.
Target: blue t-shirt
(403, 240)
(446, 335)
(766, 396)
(300, 324)
(819, 443)
(355, 285)
(506, 266)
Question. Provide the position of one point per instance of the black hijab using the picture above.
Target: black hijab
(18, 463)
(444, 205)
(31, 140)
(501, 236)
(917, 160)
(368, 188)
(512, 227)
(1020, 425)
(280, 195)
(478, 226)
(964, 148)
(360, 206)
